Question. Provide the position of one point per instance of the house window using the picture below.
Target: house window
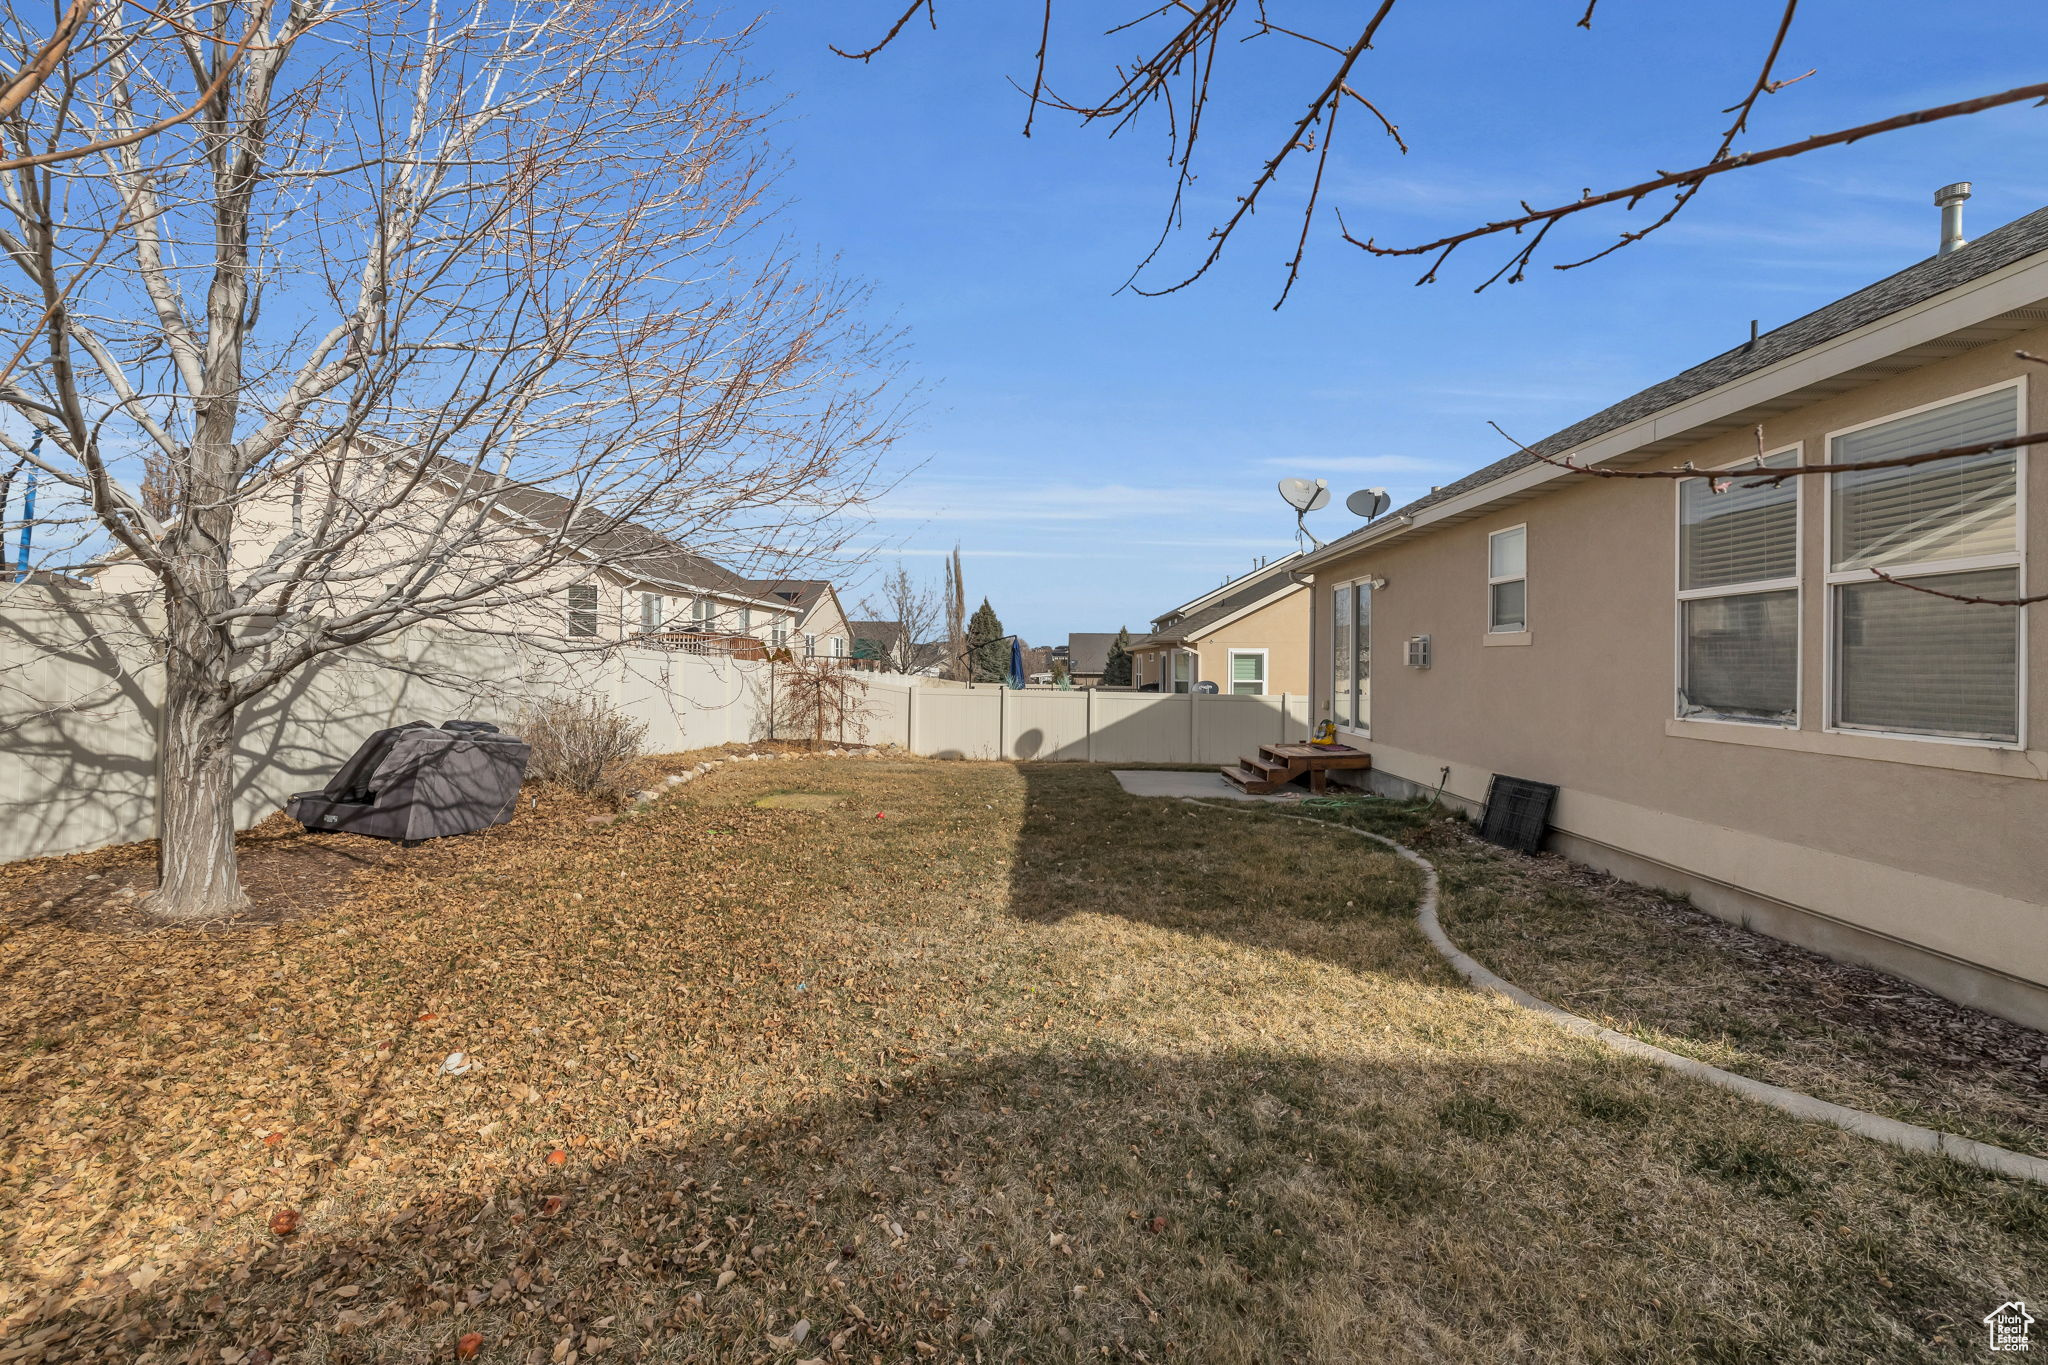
(1248, 672)
(650, 612)
(779, 636)
(838, 644)
(1738, 597)
(703, 613)
(810, 646)
(1183, 670)
(746, 620)
(1902, 661)
(579, 604)
(1507, 580)
(1351, 655)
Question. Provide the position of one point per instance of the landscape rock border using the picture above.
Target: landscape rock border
(1910, 1137)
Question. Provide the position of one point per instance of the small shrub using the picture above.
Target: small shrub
(580, 743)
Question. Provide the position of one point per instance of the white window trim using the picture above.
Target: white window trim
(660, 613)
(1169, 680)
(1354, 726)
(1230, 670)
(1796, 583)
(1832, 577)
(1522, 578)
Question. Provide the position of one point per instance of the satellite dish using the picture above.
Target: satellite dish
(1206, 688)
(1368, 502)
(1305, 495)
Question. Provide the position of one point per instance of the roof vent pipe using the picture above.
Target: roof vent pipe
(1949, 199)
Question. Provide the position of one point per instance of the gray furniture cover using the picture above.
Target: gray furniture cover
(414, 782)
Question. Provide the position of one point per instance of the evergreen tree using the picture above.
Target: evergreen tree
(988, 647)
(1116, 671)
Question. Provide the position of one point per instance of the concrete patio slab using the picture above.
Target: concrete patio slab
(1156, 782)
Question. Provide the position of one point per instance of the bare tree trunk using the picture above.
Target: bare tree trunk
(197, 873)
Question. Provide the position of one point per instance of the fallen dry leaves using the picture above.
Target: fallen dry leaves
(1025, 1071)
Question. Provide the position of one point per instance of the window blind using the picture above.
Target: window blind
(1509, 609)
(581, 601)
(1946, 510)
(1247, 668)
(1507, 553)
(1747, 533)
(1742, 657)
(1926, 665)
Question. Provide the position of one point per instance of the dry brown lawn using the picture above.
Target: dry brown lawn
(984, 1062)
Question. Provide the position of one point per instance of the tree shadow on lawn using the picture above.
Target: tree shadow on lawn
(1248, 1206)
(1235, 872)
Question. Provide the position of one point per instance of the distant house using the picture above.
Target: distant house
(1752, 693)
(621, 582)
(821, 630)
(1248, 636)
(1087, 654)
(877, 645)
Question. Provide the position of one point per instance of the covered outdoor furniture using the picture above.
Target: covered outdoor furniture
(414, 782)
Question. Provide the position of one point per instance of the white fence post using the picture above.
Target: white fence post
(1088, 725)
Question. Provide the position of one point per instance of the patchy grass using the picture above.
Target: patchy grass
(1024, 1069)
(1646, 964)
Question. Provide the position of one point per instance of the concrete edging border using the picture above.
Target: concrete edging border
(1910, 1137)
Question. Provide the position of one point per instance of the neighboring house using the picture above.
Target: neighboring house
(875, 646)
(821, 630)
(1087, 654)
(1249, 637)
(1731, 703)
(623, 581)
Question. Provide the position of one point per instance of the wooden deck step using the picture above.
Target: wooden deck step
(1301, 757)
(1247, 781)
(1268, 769)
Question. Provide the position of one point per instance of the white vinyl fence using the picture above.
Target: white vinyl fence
(78, 722)
(78, 717)
(1082, 726)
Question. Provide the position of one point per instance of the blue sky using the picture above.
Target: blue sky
(1101, 456)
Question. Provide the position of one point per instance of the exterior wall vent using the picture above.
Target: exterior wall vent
(1418, 651)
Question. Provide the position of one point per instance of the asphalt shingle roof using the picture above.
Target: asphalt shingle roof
(1995, 250)
(1254, 588)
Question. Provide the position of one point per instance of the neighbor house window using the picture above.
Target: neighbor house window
(650, 612)
(1183, 670)
(779, 636)
(838, 644)
(1248, 672)
(1738, 597)
(703, 613)
(579, 604)
(1351, 655)
(1507, 580)
(1903, 661)
(810, 646)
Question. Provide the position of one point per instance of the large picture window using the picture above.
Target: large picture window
(1351, 655)
(1904, 661)
(1738, 597)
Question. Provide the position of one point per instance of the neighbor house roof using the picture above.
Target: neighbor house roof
(1244, 593)
(1088, 651)
(801, 593)
(1917, 283)
(625, 546)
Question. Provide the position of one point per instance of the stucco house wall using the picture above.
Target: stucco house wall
(1921, 856)
(1279, 629)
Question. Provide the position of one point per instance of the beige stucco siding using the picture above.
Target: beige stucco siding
(1280, 628)
(1929, 842)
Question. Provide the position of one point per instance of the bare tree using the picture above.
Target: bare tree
(913, 609)
(409, 261)
(1184, 59)
(820, 699)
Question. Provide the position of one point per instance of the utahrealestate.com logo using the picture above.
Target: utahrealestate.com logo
(2008, 1324)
